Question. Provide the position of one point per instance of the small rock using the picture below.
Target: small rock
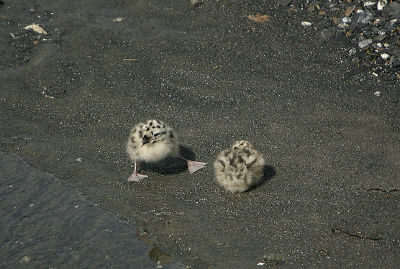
(259, 18)
(390, 77)
(36, 28)
(396, 52)
(364, 43)
(381, 32)
(361, 17)
(273, 258)
(348, 11)
(393, 9)
(196, 3)
(366, 34)
(391, 24)
(380, 38)
(385, 56)
(352, 51)
(343, 22)
(143, 234)
(306, 23)
(369, 3)
(346, 20)
(377, 21)
(25, 259)
(394, 62)
(381, 4)
(375, 30)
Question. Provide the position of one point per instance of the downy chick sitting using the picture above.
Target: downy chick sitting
(239, 168)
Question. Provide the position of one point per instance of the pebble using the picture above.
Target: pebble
(143, 233)
(306, 23)
(35, 28)
(364, 43)
(352, 51)
(393, 9)
(25, 260)
(361, 17)
(196, 3)
(385, 56)
(394, 62)
(273, 258)
(381, 4)
(369, 3)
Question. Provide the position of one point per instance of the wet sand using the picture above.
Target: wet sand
(45, 223)
(331, 191)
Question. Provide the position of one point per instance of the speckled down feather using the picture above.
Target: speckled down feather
(239, 168)
(152, 142)
(162, 142)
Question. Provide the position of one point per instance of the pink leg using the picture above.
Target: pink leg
(193, 166)
(135, 175)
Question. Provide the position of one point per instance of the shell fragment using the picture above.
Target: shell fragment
(36, 28)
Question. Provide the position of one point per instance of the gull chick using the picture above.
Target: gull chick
(152, 142)
(239, 168)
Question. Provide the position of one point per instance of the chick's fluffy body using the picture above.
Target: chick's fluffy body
(160, 142)
(239, 168)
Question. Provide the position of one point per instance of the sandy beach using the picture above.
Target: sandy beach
(328, 130)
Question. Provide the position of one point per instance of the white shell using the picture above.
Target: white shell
(36, 28)
(369, 3)
(385, 56)
(306, 23)
(381, 4)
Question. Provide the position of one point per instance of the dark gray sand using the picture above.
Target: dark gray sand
(329, 130)
(47, 224)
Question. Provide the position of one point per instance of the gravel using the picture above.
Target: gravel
(371, 28)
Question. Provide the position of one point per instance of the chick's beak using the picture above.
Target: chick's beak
(145, 140)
